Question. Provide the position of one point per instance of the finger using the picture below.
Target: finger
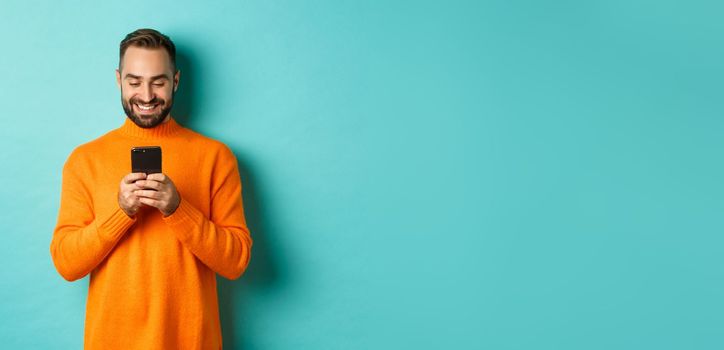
(147, 194)
(148, 184)
(132, 187)
(148, 201)
(160, 177)
(132, 177)
(128, 189)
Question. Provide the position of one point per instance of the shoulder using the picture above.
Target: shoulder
(211, 146)
(82, 157)
(82, 154)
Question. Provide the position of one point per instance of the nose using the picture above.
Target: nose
(146, 93)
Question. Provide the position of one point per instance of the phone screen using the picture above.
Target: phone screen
(146, 159)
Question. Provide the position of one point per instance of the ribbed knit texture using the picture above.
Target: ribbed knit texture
(152, 278)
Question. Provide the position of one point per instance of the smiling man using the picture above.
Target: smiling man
(152, 243)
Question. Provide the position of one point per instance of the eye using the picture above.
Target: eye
(134, 84)
(158, 84)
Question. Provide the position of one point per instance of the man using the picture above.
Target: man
(152, 243)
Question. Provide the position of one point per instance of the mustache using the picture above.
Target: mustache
(153, 101)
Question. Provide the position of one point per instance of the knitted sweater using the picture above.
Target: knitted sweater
(152, 278)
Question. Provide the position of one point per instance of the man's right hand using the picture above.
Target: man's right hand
(126, 199)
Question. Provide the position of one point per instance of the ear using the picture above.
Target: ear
(176, 78)
(118, 78)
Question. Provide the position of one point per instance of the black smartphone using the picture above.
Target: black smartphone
(146, 159)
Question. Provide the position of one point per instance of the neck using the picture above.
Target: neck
(167, 128)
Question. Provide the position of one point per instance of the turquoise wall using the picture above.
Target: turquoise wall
(417, 174)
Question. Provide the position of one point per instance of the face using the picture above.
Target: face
(147, 84)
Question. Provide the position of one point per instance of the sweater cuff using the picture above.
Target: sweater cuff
(115, 225)
(184, 219)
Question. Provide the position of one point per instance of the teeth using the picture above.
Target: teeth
(148, 108)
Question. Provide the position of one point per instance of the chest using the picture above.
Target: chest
(188, 168)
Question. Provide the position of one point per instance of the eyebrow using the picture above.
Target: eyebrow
(159, 76)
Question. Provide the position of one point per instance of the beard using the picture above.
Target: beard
(147, 121)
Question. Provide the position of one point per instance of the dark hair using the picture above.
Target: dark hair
(151, 39)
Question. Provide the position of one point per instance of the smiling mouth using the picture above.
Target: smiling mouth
(146, 107)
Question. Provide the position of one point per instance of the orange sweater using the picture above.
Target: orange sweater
(153, 278)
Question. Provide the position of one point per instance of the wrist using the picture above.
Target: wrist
(131, 215)
(173, 210)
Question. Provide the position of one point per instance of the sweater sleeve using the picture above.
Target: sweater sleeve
(81, 240)
(222, 241)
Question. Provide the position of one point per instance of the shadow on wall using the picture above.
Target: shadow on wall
(185, 99)
(261, 275)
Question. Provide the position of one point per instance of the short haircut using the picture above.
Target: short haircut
(151, 39)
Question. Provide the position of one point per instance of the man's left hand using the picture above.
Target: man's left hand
(159, 192)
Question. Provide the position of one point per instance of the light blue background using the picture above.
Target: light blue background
(417, 174)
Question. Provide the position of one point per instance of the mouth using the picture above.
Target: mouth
(146, 108)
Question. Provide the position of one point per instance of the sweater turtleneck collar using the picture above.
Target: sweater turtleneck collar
(168, 128)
